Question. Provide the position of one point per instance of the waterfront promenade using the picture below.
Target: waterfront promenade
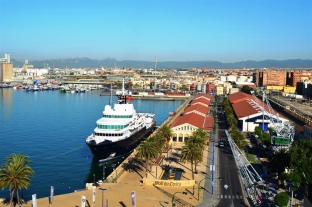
(119, 192)
(129, 176)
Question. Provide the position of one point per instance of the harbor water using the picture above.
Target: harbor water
(51, 128)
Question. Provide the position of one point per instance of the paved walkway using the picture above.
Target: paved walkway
(119, 194)
(209, 199)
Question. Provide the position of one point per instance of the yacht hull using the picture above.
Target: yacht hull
(110, 150)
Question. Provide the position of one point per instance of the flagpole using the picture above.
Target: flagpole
(51, 195)
(93, 195)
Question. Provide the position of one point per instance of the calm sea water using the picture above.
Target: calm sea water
(51, 128)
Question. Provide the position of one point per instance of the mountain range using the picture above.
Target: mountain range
(111, 63)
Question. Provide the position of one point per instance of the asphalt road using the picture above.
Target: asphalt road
(231, 192)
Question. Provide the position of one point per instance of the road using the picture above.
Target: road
(231, 192)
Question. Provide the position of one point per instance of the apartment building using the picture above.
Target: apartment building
(271, 78)
(293, 77)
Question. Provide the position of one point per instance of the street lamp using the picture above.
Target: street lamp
(212, 183)
(290, 197)
(172, 201)
(102, 189)
(199, 187)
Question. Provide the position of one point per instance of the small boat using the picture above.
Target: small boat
(110, 157)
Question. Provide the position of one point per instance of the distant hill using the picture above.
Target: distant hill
(111, 62)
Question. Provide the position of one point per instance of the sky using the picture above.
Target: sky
(171, 30)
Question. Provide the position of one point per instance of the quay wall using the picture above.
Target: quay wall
(113, 177)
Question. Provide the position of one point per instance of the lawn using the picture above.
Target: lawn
(251, 158)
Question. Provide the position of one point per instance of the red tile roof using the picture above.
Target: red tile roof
(195, 120)
(197, 108)
(239, 96)
(204, 101)
(203, 95)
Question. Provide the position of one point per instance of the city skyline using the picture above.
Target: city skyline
(225, 31)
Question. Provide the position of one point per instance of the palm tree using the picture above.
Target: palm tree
(16, 174)
(202, 135)
(146, 152)
(166, 132)
(199, 139)
(191, 153)
(159, 142)
(198, 143)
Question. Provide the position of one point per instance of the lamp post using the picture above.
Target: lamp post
(102, 189)
(172, 200)
(290, 197)
(212, 183)
(199, 187)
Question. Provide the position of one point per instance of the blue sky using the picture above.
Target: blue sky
(172, 30)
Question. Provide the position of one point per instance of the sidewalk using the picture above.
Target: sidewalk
(119, 194)
(209, 199)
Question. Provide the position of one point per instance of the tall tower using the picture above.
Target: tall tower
(6, 68)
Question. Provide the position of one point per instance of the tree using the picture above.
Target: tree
(147, 152)
(202, 135)
(16, 174)
(191, 153)
(166, 132)
(159, 142)
(301, 162)
(294, 177)
(282, 199)
(279, 162)
(199, 138)
(246, 89)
